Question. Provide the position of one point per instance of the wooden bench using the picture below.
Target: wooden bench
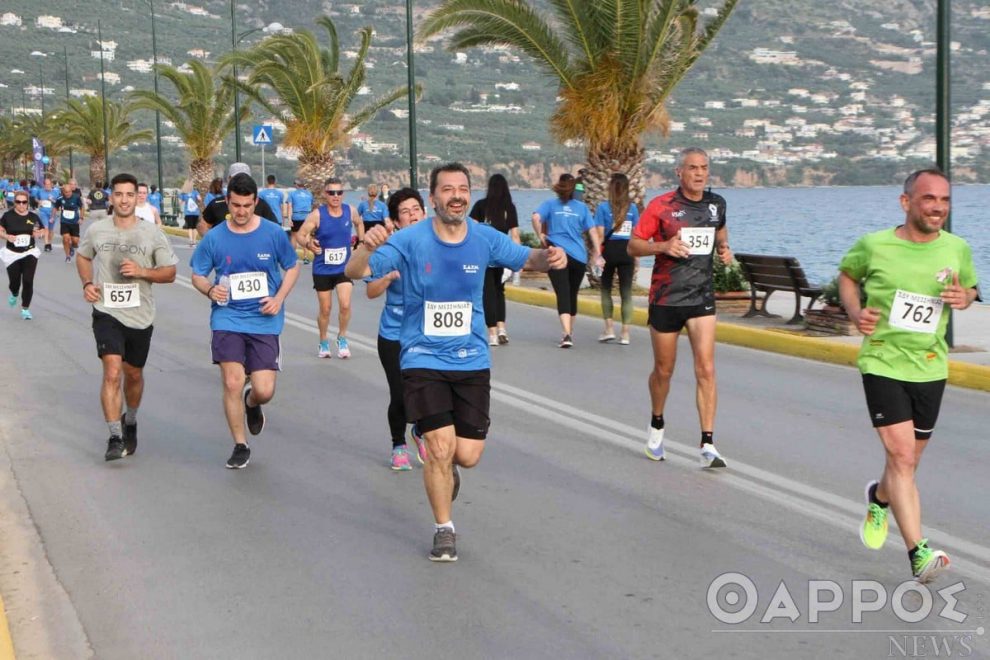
(767, 273)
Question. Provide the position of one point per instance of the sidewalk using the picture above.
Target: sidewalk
(969, 361)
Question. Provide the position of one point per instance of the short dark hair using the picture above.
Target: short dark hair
(914, 176)
(140, 183)
(333, 180)
(270, 178)
(242, 184)
(399, 196)
(449, 167)
(123, 177)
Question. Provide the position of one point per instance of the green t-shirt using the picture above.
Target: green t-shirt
(904, 280)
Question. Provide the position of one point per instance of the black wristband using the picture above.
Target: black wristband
(210, 290)
(86, 284)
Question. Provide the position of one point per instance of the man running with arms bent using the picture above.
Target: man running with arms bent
(686, 226)
(444, 341)
(910, 274)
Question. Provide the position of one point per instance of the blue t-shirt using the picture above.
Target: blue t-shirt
(604, 219)
(222, 252)
(390, 324)
(155, 199)
(334, 235)
(12, 188)
(565, 223)
(374, 213)
(443, 317)
(46, 200)
(302, 203)
(274, 198)
(189, 206)
(69, 208)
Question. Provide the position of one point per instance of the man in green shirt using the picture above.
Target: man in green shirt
(909, 274)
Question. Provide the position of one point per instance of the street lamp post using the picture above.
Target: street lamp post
(65, 54)
(103, 95)
(158, 116)
(943, 112)
(234, 40)
(411, 81)
(41, 73)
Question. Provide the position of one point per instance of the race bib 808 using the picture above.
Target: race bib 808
(447, 319)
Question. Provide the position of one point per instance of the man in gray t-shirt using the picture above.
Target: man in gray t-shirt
(118, 260)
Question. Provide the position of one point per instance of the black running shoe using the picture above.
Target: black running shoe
(444, 545)
(115, 448)
(130, 438)
(457, 484)
(240, 458)
(255, 418)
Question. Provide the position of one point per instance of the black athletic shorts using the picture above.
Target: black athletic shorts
(296, 224)
(191, 221)
(70, 229)
(115, 338)
(329, 282)
(666, 318)
(893, 401)
(435, 399)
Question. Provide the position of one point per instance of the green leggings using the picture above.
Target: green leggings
(625, 271)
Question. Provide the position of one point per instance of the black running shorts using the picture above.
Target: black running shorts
(667, 318)
(435, 399)
(191, 221)
(115, 338)
(893, 401)
(329, 282)
(70, 229)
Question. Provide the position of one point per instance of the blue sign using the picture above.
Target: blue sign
(262, 134)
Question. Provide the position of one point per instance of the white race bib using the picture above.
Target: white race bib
(22, 240)
(121, 296)
(624, 230)
(447, 319)
(191, 207)
(45, 203)
(68, 215)
(335, 257)
(915, 312)
(246, 286)
(700, 240)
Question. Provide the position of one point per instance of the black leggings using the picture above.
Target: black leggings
(494, 297)
(388, 353)
(21, 272)
(566, 283)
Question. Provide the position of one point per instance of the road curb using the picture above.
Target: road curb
(6, 643)
(961, 374)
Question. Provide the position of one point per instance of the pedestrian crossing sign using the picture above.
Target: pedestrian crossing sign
(262, 134)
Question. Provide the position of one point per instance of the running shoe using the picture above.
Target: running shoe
(343, 350)
(400, 459)
(444, 545)
(324, 351)
(566, 342)
(72, 252)
(48, 247)
(606, 336)
(493, 340)
(873, 531)
(654, 445)
(457, 484)
(68, 259)
(710, 458)
(240, 458)
(624, 341)
(11, 300)
(115, 449)
(420, 444)
(130, 438)
(503, 338)
(305, 262)
(926, 563)
(255, 418)
(26, 314)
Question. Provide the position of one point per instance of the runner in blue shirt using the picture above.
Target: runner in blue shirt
(299, 207)
(155, 198)
(238, 265)
(71, 212)
(274, 197)
(190, 211)
(614, 234)
(444, 341)
(562, 222)
(326, 232)
(46, 201)
(373, 211)
(405, 208)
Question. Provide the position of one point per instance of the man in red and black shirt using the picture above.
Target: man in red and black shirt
(683, 230)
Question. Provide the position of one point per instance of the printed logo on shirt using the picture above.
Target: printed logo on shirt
(470, 269)
(943, 276)
(429, 267)
(678, 214)
(264, 256)
(713, 209)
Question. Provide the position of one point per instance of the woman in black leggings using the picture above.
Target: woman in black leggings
(562, 222)
(20, 227)
(497, 210)
(616, 219)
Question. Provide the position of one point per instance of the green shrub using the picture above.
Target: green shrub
(729, 278)
(529, 239)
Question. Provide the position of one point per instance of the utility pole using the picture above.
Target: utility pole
(158, 115)
(103, 95)
(943, 113)
(411, 81)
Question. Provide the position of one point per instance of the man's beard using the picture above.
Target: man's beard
(448, 219)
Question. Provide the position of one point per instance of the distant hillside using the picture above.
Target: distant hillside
(793, 91)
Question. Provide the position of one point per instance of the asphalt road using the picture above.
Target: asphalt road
(572, 544)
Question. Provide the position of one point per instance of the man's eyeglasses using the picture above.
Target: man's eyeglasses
(334, 193)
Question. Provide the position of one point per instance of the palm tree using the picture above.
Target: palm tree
(12, 144)
(314, 98)
(616, 62)
(203, 114)
(80, 125)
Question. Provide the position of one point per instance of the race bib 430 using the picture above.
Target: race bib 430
(245, 286)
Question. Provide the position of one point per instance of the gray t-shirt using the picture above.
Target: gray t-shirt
(107, 245)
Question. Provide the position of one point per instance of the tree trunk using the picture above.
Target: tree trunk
(201, 172)
(97, 169)
(314, 169)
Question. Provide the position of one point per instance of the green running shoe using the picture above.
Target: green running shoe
(926, 563)
(873, 532)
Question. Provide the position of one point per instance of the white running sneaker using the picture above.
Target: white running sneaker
(654, 445)
(710, 458)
